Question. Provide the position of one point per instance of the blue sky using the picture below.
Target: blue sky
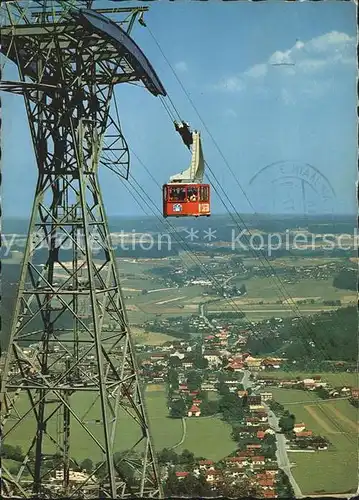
(258, 113)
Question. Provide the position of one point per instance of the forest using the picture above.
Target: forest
(325, 336)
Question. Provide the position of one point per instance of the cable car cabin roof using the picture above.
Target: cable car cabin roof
(184, 184)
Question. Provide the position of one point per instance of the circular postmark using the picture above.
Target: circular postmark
(292, 187)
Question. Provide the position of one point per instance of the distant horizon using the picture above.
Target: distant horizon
(226, 214)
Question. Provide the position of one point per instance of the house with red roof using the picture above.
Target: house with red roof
(204, 464)
(253, 446)
(235, 366)
(266, 483)
(300, 427)
(194, 411)
(252, 421)
(263, 417)
(260, 434)
(270, 493)
(213, 475)
(238, 461)
(181, 475)
(304, 434)
(258, 460)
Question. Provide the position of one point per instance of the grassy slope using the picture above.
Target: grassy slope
(332, 471)
(205, 437)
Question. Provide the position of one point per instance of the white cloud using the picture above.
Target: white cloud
(256, 71)
(280, 58)
(181, 66)
(315, 58)
(324, 43)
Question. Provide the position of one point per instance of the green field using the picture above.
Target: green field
(334, 379)
(262, 294)
(165, 302)
(265, 288)
(291, 396)
(304, 261)
(152, 338)
(208, 437)
(334, 470)
(205, 437)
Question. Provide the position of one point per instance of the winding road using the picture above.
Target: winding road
(184, 432)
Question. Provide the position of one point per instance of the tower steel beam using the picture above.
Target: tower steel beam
(70, 388)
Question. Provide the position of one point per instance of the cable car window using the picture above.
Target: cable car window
(177, 194)
(204, 193)
(192, 194)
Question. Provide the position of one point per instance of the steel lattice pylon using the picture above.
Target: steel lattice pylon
(70, 387)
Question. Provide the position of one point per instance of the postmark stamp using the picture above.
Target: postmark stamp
(292, 187)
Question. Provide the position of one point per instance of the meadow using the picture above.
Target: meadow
(334, 470)
(265, 288)
(334, 379)
(208, 437)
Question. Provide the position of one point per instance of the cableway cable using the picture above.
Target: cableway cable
(196, 260)
(280, 286)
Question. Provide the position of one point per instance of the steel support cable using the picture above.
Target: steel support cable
(168, 110)
(280, 286)
(178, 238)
(151, 201)
(194, 258)
(284, 292)
(253, 253)
(189, 252)
(199, 116)
(291, 305)
(171, 226)
(286, 295)
(151, 176)
(215, 143)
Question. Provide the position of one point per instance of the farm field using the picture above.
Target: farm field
(263, 311)
(336, 468)
(306, 288)
(152, 338)
(303, 261)
(207, 437)
(163, 302)
(335, 379)
(260, 303)
(291, 396)
(139, 337)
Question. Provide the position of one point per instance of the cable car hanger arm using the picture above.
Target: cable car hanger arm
(195, 172)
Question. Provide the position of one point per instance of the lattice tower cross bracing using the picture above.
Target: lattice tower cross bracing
(71, 380)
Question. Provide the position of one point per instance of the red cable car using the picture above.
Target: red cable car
(186, 195)
(180, 200)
